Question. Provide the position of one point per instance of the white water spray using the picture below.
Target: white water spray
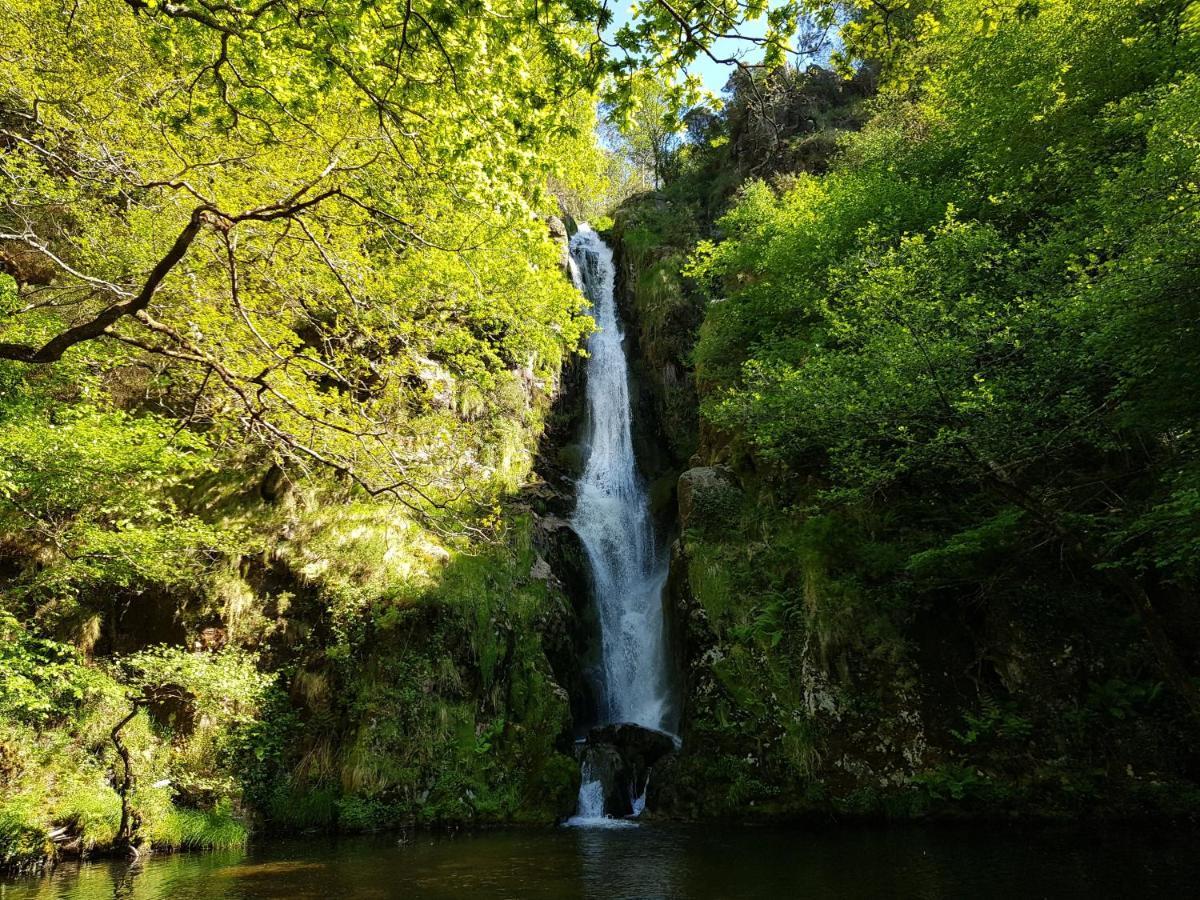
(612, 519)
(589, 812)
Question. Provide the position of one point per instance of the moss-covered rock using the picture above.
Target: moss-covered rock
(708, 498)
(571, 458)
(663, 311)
(811, 692)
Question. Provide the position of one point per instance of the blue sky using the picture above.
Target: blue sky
(714, 75)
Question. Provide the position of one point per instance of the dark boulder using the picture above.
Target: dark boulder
(622, 756)
(569, 638)
(635, 742)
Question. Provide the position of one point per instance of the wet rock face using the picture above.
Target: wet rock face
(663, 312)
(557, 228)
(603, 763)
(570, 644)
(559, 545)
(623, 757)
(568, 638)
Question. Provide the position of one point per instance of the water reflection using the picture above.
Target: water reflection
(659, 862)
(624, 864)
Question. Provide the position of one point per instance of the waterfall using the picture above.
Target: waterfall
(638, 801)
(612, 518)
(590, 810)
(591, 794)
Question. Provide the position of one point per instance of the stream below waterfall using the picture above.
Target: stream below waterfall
(654, 861)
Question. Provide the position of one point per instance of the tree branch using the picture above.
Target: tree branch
(53, 349)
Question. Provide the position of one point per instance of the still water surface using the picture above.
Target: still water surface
(662, 862)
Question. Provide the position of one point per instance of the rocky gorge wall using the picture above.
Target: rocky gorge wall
(809, 690)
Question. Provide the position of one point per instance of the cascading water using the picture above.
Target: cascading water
(591, 795)
(612, 519)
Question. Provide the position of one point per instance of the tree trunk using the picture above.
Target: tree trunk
(127, 831)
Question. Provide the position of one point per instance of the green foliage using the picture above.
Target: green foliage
(431, 702)
(954, 306)
(328, 231)
(1117, 699)
(55, 712)
(320, 305)
(970, 554)
(993, 722)
(945, 346)
(233, 247)
(98, 488)
(944, 349)
(194, 829)
(912, 312)
(40, 680)
(953, 782)
(656, 38)
(649, 133)
(20, 841)
(224, 688)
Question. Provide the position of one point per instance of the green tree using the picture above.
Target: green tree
(970, 303)
(651, 133)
